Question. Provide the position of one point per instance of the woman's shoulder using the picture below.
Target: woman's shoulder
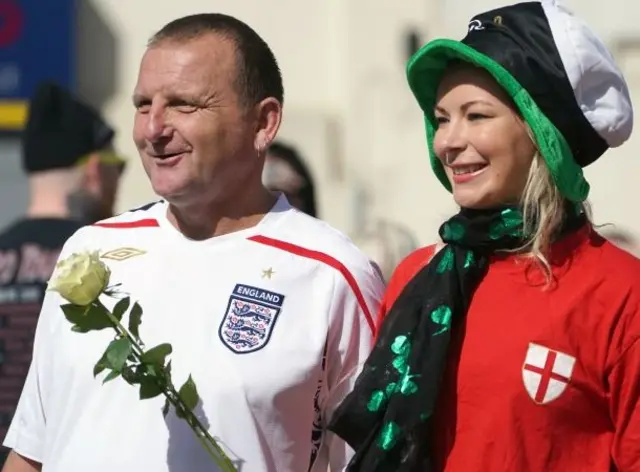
(614, 264)
(407, 269)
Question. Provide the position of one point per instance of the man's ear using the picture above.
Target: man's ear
(269, 116)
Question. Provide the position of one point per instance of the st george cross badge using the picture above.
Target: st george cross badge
(546, 373)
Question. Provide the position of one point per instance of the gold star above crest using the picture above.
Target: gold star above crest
(268, 273)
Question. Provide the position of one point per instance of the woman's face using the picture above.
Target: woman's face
(481, 140)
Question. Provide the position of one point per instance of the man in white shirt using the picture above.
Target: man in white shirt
(270, 310)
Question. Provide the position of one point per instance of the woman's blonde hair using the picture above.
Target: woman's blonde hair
(544, 210)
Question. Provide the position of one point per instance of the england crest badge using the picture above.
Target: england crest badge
(250, 317)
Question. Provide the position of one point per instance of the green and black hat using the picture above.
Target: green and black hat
(557, 71)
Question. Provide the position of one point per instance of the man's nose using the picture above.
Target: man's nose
(157, 126)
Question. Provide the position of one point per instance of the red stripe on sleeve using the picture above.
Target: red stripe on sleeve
(326, 259)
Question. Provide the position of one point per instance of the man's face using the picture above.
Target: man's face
(194, 136)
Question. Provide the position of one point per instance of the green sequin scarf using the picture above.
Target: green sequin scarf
(385, 419)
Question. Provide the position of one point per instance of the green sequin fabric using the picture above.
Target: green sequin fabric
(385, 419)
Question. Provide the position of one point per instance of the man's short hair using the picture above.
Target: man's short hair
(258, 74)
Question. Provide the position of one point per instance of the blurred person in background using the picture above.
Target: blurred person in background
(285, 171)
(73, 177)
(387, 243)
(514, 343)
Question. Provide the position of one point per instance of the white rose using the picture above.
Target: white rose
(80, 278)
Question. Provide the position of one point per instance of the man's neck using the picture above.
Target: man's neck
(204, 221)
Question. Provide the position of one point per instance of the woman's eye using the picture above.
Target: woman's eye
(476, 116)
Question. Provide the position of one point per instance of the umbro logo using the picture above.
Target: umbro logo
(123, 253)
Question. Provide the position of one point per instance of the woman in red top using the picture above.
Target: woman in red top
(515, 345)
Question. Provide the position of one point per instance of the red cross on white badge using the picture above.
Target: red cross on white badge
(546, 373)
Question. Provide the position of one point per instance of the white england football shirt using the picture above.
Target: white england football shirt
(267, 391)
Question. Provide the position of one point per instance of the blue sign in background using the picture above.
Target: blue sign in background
(37, 42)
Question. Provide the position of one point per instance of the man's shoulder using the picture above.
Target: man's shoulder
(140, 218)
(145, 216)
(315, 239)
(331, 249)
